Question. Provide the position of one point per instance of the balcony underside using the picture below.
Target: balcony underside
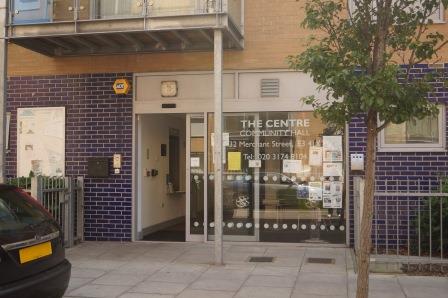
(100, 37)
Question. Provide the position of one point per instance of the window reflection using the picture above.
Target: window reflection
(283, 178)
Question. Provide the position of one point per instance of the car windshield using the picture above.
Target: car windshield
(18, 212)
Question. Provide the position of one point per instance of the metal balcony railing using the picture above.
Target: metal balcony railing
(54, 11)
(92, 27)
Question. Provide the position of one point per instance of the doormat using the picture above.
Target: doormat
(321, 261)
(261, 259)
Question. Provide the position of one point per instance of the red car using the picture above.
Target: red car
(32, 254)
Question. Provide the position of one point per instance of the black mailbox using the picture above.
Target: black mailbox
(98, 167)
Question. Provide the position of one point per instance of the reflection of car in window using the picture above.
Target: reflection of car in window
(276, 190)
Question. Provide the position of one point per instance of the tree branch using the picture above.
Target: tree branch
(382, 126)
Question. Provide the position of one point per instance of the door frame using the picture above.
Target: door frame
(256, 236)
(188, 236)
(205, 237)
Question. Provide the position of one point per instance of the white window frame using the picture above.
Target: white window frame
(422, 147)
(437, 18)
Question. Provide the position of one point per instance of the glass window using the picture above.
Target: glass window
(416, 133)
(283, 178)
(437, 16)
(197, 181)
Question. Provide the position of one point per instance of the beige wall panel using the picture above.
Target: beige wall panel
(272, 32)
(190, 86)
(293, 85)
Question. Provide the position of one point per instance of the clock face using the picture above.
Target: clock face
(169, 89)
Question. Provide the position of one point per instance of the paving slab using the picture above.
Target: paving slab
(270, 281)
(217, 284)
(275, 270)
(98, 291)
(259, 292)
(225, 274)
(331, 278)
(205, 294)
(86, 272)
(423, 291)
(320, 288)
(140, 268)
(179, 277)
(135, 270)
(76, 282)
(142, 295)
(100, 264)
(119, 279)
(157, 287)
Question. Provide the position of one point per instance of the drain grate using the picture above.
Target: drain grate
(321, 261)
(261, 259)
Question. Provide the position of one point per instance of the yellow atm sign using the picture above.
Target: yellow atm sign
(122, 86)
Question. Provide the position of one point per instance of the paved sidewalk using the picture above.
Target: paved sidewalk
(184, 270)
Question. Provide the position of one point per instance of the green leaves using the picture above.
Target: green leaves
(355, 60)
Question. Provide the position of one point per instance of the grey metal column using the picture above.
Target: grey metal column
(4, 19)
(218, 61)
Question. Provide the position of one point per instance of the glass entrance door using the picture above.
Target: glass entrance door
(196, 177)
(283, 178)
(240, 190)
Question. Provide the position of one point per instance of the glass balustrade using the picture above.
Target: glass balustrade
(235, 11)
(52, 11)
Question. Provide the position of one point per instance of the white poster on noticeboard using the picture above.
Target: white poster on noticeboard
(315, 156)
(41, 141)
(336, 195)
(332, 146)
(195, 162)
(332, 194)
(332, 169)
(291, 166)
(315, 191)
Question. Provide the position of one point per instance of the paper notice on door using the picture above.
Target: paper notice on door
(332, 146)
(291, 166)
(326, 194)
(225, 139)
(336, 194)
(195, 162)
(315, 191)
(315, 156)
(332, 194)
(332, 169)
(234, 161)
(254, 163)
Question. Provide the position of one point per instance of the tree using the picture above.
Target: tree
(361, 59)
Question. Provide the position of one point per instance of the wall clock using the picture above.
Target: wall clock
(169, 89)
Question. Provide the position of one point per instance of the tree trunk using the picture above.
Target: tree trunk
(363, 255)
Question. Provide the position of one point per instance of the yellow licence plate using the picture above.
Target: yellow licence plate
(35, 252)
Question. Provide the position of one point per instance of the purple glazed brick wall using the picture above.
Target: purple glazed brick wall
(417, 167)
(98, 124)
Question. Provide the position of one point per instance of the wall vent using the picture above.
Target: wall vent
(270, 88)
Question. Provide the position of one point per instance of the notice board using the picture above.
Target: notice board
(41, 141)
